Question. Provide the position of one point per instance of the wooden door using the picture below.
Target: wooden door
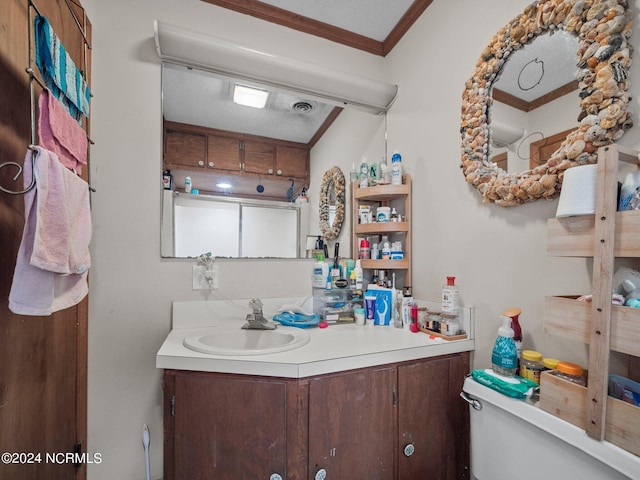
(185, 149)
(224, 152)
(432, 420)
(352, 424)
(259, 157)
(42, 359)
(225, 427)
(292, 161)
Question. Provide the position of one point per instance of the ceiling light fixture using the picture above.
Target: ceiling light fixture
(195, 49)
(249, 96)
(223, 185)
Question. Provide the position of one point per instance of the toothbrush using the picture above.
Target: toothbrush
(145, 442)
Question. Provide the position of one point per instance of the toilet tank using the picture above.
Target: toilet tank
(514, 439)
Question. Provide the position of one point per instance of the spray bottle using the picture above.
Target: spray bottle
(514, 314)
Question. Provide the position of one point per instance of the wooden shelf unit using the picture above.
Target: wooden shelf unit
(398, 196)
(604, 236)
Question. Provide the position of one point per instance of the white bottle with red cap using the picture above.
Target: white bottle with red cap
(450, 297)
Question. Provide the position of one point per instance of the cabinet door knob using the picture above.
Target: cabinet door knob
(270, 171)
(409, 449)
(279, 172)
(321, 474)
(275, 476)
(210, 164)
(201, 163)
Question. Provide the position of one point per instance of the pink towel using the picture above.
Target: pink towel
(60, 133)
(53, 258)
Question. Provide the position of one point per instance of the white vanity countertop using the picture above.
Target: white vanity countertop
(333, 349)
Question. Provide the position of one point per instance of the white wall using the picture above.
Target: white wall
(131, 286)
(497, 254)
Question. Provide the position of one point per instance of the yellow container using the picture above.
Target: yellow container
(550, 363)
(531, 365)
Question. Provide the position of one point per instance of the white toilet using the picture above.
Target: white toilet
(513, 439)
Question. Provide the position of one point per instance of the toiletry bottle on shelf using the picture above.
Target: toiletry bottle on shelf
(359, 274)
(396, 169)
(386, 251)
(504, 358)
(514, 314)
(167, 180)
(187, 184)
(364, 173)
(365, 249)
(450, 297)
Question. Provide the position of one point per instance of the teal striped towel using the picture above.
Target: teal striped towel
(59, 72)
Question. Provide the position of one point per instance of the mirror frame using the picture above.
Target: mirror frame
(603, 28)
(332, 178)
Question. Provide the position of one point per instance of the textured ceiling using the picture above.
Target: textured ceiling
(547, 63)
(371, 18)
(201, 98)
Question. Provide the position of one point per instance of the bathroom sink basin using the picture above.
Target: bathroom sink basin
(226, 341)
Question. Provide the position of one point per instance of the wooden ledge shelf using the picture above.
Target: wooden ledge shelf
(573, 236)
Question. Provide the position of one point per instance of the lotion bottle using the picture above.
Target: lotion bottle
(359, 274)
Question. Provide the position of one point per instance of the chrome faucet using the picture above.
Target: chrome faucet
(256, 320)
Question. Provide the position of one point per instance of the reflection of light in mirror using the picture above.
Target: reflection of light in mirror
(223, 185)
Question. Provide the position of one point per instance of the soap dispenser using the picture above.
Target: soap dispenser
(504, 359)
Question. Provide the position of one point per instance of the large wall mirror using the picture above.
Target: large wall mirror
(574, 53)
(249, 164)
(209, 138)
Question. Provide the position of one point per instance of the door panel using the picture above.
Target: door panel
(42, 359)
(229, 428)
(352, 425)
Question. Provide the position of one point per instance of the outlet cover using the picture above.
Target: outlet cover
(200, 280)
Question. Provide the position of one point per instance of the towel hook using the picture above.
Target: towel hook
(33, 177)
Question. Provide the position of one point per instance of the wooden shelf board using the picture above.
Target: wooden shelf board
(387, 264)
(568, 401)
(567, 317)
(381, 193)
(381, 227)
(573, 236)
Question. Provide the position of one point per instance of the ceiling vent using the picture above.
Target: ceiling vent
(302, 107)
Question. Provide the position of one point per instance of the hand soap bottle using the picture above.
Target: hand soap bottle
(504, 359)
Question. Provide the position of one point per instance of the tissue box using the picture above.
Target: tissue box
(384, 303)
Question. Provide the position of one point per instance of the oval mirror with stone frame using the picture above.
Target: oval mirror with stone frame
(603, 28)
(332, 199)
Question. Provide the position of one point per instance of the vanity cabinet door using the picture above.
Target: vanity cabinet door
(225, 427)
(352, 424)
(433, 421)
